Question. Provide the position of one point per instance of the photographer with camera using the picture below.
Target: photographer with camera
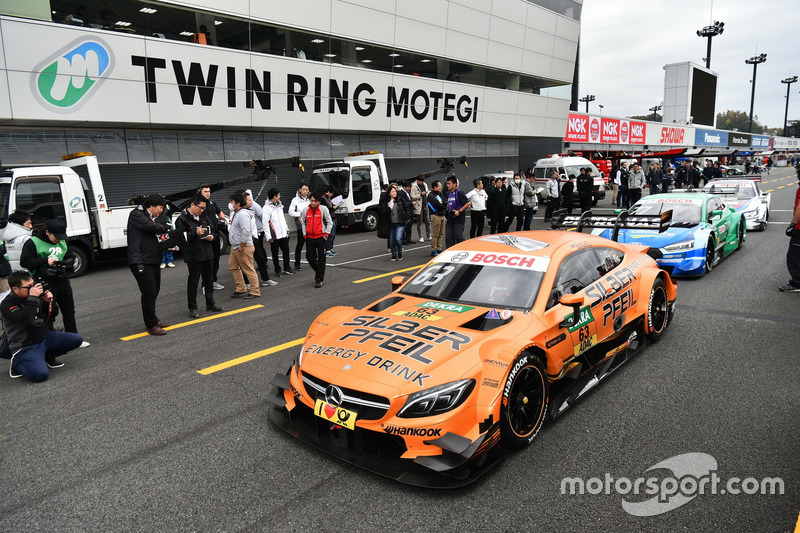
(198, 253)
(28, 312)
(144, 256)
(47, 257)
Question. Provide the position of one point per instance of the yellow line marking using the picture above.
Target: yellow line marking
(196, 321)
(388, 274)
(252, 356)
(797, 526)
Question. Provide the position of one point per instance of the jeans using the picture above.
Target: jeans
(331, 236)
(31, 361)
(529, 212)
(396, 239)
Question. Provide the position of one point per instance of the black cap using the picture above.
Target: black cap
(57, 227)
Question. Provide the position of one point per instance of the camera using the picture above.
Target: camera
(45, 286)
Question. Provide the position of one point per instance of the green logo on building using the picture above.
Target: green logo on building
(65, 79)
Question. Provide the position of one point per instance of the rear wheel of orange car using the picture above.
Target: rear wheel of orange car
(524, 401)
(658, 310)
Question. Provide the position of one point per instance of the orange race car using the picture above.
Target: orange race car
(430, 384)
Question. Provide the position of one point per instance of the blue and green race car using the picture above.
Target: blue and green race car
(702, 232)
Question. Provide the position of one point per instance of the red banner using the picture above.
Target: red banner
(591, 129)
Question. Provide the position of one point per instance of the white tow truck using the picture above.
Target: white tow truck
(359, 178)
(94, 229)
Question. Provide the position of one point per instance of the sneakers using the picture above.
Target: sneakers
(215, 307)
(163, 265)
(433, 253)
(788, 288)
(298, 268)
(218, 286)
(54, 363)
(421, 239)
(171, 264)
(238, 294)
(394, 258)
(84, 344)
(318, 285)
(250, 296)
(290, 272)
(194, 313)
(331, 253)
(399, 257)
(269, 283)
(13, 374)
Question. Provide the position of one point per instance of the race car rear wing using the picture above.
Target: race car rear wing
(615, 221)
(719, 190)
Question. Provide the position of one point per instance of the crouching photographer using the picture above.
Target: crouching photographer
(47, 257)
(28, 313)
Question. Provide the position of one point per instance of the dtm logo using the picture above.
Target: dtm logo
(64, 80)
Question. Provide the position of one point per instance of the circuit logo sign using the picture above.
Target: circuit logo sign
(64, 81)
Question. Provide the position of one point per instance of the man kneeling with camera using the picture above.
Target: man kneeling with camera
(28, 313)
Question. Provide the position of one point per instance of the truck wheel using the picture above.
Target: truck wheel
(81, 262)
(223, 243)
(370, 220)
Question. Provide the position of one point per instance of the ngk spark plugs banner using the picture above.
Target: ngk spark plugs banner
(76, 74)
(594, 129)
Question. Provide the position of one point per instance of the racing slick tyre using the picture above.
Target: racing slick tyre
(658, 311)
(711, 255)
(740, 234)
(524, 401)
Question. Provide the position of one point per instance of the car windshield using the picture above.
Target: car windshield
(477, 284)
(339, 177)
(742, 190)
(684, 211)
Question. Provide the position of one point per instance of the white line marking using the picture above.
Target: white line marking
(374, 256)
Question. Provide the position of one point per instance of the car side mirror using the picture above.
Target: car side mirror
(715, 214)
(575, 301)
(397, 281)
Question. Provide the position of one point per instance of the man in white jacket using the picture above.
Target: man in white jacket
(299, 202)
(17, 232)
(275, 220)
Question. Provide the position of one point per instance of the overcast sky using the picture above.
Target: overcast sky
(625, 44)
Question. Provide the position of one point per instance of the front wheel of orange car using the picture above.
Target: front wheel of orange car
(524, 401)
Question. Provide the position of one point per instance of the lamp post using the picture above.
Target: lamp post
(788, 82)
(655, 109)
(755, 61)
(588, 98)
(711, 32)
(601, 106)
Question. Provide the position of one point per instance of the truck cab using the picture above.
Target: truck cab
(358, 179)
(48, 192)
(567, 166)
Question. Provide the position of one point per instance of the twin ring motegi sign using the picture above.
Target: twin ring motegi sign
(72, 73)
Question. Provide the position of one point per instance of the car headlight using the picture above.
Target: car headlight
(437, 400)
(679, 246)
(299, 359)
(753, 213)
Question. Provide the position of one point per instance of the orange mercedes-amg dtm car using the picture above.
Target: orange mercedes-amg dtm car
(467, 358)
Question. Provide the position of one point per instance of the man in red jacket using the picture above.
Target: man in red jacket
(317, 224)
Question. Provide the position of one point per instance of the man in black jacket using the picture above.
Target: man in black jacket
(497, 205)
(28, 312)
(144, 257)
(198, 253)
(44, 255)
(213, 214)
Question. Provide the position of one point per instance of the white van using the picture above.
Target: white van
(567, 166)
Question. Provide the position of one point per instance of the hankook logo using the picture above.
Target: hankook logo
(334, 396)
(64, 80)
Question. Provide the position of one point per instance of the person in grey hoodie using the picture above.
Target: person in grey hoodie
(636, 182)
(16, 233)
